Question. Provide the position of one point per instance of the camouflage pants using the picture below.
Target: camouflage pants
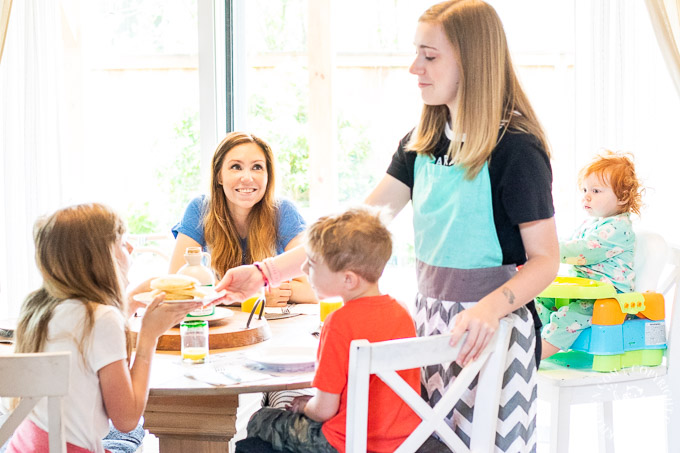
(288, 431)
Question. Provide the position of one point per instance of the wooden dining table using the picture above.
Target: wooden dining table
(189, 415)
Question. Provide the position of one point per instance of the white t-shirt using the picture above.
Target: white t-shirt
(86, 422)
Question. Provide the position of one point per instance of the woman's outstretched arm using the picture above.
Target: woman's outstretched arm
(244, 281)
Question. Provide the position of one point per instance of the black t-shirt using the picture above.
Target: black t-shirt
(521, 185)
(521, 191)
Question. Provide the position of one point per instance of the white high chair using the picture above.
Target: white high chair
(563, 387)
(32, 377)
(387, 357)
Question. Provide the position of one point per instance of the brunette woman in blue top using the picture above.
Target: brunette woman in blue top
(242, 222)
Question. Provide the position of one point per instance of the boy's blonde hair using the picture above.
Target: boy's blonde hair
(356, 240)
(617, 170)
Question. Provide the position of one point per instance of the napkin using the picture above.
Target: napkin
(210, 376)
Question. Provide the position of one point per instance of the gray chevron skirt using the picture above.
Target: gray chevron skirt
(516, 429)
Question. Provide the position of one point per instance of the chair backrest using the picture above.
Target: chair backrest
(651, 252)
(386, 358)
(32, 377)
(670, 287)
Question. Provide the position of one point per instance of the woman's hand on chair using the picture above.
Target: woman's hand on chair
(480, 323)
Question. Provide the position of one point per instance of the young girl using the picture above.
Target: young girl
(241, 222)
(84, 259)
(476, 169)
(600, 249)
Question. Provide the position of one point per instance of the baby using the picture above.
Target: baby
(600, 249)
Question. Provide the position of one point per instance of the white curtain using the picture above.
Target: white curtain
(665, 16)
(5, 8)
(30, 168)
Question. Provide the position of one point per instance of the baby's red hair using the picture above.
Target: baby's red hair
(618, 171)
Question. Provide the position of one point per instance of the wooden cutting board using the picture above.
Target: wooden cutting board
(225, 333)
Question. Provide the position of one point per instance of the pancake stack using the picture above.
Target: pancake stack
(178, 287)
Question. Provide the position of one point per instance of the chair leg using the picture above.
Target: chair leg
(560, 412)
(605, 424)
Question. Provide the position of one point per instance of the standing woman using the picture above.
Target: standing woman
(476, 169)
(242, 222)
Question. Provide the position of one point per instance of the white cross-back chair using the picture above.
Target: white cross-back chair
(563, 387)
(387, 357)
(32, 377)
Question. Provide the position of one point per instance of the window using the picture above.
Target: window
(105, 102)
(104, 106)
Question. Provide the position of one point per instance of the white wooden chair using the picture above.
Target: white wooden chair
(386, 358)
(563, 387)
(32, 377)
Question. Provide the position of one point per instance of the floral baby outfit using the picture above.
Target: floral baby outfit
(601, 249)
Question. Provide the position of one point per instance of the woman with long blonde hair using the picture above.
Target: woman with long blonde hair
(84, 258)
(242, 222)
(476, 169)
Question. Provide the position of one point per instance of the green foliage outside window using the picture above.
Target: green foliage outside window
(178, 181)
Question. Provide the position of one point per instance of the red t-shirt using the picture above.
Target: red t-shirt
(378, 318)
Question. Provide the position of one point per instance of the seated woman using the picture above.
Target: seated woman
(242, 222)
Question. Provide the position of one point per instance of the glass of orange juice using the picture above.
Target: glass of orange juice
(328, 306)
(248, 304)
(194, 337)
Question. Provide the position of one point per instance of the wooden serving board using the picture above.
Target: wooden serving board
(224, 334)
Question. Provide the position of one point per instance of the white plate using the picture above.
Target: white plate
(284, 358)
(147, 298)
(220, 313)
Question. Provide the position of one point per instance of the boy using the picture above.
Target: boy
(346, 254)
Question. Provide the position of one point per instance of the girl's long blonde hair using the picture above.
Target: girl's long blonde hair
(220, 230)
(489, 93)
(74, 251)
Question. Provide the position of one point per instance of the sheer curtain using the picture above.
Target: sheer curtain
(5, 8)
(665, 16)
(30, 119)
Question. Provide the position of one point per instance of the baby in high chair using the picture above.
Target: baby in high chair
(600, 249)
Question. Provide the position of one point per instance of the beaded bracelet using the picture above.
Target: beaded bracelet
(258, 266)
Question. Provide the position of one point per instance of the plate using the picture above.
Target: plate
(220, 313)
(147, 298)
(281, 358)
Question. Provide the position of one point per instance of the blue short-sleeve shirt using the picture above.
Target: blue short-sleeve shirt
(290, 222)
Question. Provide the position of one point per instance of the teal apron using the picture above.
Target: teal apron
(459, 261)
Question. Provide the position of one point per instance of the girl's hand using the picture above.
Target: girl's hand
(159, 317)
(279, 297)
(133, 305)
(298, 404)
(480, 323)
(240, 283)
